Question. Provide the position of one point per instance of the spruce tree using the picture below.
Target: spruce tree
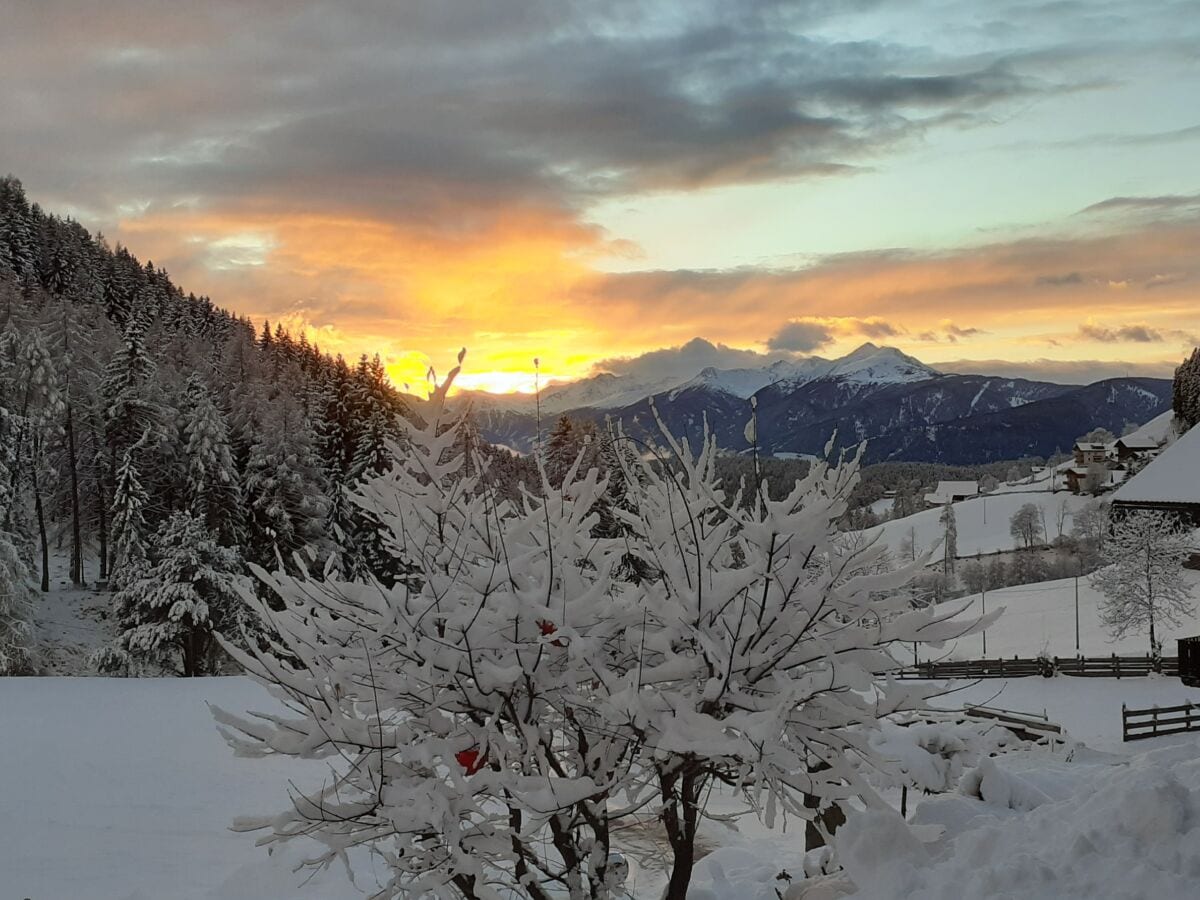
(171, 606)
(213, 493)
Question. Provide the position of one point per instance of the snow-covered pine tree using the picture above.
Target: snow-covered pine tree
(170, 606)
(1185, 393)
(283, 488)
(1144, 586)
(494, 717)
(213, 485)
(16, 604)
(128, 521)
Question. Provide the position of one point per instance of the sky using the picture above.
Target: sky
(648, 188)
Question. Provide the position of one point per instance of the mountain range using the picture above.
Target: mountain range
(903, 408)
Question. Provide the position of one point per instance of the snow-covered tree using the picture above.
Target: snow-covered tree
(128, 517)
(170, 606)
(1185, 400)
(1026, 525)
(16, 604)
(283, 489)
(1144, 586)
(496, 714)
(213, 489)
(1090, 523)
(949, 538)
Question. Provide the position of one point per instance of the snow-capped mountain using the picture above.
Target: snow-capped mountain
(902, 407)
(868, 364)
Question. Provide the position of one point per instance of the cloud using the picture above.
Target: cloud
(1070, 278)
(1138, 334)
(954, 332)
(685, 360)
(1162, 203)
(1082, 371)
(470, 106)
(801, 337)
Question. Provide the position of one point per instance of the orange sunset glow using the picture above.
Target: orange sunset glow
(404, 205)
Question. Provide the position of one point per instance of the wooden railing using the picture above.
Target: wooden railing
(1029, 726)
(1017, 667)
(1158, 720)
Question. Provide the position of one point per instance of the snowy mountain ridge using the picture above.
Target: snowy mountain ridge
(868, 364)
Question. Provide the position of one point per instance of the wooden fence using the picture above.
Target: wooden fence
(1017, 667)
(1028, 726)
(1158, 720)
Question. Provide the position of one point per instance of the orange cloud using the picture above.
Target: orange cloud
(525, 284)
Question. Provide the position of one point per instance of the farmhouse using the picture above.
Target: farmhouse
(1135, 447)
(1087, 452)
(952, 492)
(1170, 482)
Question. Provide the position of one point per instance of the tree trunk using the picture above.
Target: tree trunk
(103, 531)
(830, 818)
(76, 526)
(681, 832)
(41, 520)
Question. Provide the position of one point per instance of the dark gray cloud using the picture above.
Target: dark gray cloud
(801, 337)
(877, 328)
(1064, 280)
(686, 360)
(424, 113)
(1136, 334)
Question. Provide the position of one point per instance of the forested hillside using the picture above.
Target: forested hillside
(158, 439)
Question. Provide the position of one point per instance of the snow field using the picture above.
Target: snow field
(982, 522)
(1121, 831)
(121, 789)
(1041, 617)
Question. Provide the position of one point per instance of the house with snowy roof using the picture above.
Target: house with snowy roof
(1170, 482)
(1135, 446)
(1088, 452)
(952, 492)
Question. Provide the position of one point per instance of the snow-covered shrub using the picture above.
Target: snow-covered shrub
(932, 754)
(497, 712)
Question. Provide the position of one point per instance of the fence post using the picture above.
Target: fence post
(1124, 724)
(1117, 665)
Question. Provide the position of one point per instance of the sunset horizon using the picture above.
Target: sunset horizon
(1003, 194)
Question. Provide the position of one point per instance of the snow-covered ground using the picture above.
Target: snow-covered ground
(121, 789)
(69, 623)
(982, 522)
(1041, 616)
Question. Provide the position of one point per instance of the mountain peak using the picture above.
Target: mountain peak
(867, 349)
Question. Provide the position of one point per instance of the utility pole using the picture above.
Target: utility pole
(1077, 611)
(983, 598)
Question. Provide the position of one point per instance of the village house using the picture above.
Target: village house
(1088, 452)
(952, 492)
(1133, 447)
(1170, 482)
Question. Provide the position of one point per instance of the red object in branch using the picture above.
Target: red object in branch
(471, 760)
(548, 628)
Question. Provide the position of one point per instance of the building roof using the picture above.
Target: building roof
(1090, 445)
(1172, 477)
(1138, 442)
(946, 491)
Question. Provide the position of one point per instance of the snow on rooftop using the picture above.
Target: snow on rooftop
(1173, 477)
(1160, 429)
(947, 491)
(1138, 442)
